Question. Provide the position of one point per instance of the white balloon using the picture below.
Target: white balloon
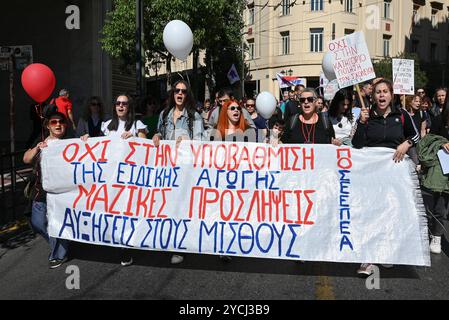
(266, 104)
(178, 39)
(328, 66)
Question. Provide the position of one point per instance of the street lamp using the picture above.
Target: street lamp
(156, 64)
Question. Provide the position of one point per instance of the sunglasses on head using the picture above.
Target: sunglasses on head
(183, 91)
(122, 103)
(55, 122)
(308, 99)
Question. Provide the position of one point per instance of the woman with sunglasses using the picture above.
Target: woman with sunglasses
(179, 121)
(123, 121)
(90, 122)
(309, 126)
(56, 127)
(124, 125)
(342, 118)
(232, 125)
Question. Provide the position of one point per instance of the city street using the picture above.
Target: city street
(24, 274)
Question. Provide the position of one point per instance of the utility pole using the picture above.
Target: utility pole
(243, 67)
(140, 55)
(12, 120)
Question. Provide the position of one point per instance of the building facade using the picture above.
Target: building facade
(292, 36)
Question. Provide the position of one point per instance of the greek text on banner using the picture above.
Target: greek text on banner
(296, 202)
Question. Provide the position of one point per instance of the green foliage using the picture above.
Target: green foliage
(384, 68)
(215, 24)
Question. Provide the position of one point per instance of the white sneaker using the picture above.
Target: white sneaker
(366, 269)
(176, 259)
(127, 262)
(435, 245)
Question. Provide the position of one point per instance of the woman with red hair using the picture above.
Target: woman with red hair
(232, 125)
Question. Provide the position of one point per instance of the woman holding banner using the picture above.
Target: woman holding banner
(56, 126)
(342, 118)
(179, 121)
(124, 125)
(385, 126)
(309, 127)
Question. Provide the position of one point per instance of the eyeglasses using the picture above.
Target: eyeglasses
(308, 99)
(55, 122)
(233, 108)
(250, 105)
(420, 92)
(95, 104)
(122, 103)
(178, 91)
(223, 101)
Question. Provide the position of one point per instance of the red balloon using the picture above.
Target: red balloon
(39, 81)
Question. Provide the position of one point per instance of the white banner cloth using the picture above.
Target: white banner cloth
(297, 202)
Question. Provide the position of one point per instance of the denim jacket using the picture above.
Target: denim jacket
(172, 131)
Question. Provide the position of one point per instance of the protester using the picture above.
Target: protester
(320, 104)
(207, 107)
(285, 100)
(179, 121)
(422, 93)
(366, 91)
(259, 121)
(413, 107)
(151, 117)
(56, 125)
(309, 127)
(65, 106)
(92, 119)
(342, 118)
(277, 131)
(124, 125)
(439, 100)
(224, 96)
(435, 185)
(293, 107)
(388, 127)
(232, 125)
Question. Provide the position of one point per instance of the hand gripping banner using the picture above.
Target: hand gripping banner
(295, 202)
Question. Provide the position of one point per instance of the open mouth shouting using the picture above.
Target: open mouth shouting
(234, 113)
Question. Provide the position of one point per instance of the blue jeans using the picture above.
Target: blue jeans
(39, 222)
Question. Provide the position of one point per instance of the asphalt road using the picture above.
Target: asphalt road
(24, 274)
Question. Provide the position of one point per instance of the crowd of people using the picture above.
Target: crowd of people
(417, 126)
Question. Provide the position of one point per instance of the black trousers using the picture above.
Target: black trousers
(437, 207)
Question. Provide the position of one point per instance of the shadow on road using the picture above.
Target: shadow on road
(17, 240)
(158, 259)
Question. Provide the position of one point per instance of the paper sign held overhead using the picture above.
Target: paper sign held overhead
(404, 76)
(351, 60)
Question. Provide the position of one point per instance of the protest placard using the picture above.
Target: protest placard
(404, 76)
(352, 62)
(310, 203)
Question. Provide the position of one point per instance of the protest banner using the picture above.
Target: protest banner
(294, 202)
(404, 76)
(351, 60)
